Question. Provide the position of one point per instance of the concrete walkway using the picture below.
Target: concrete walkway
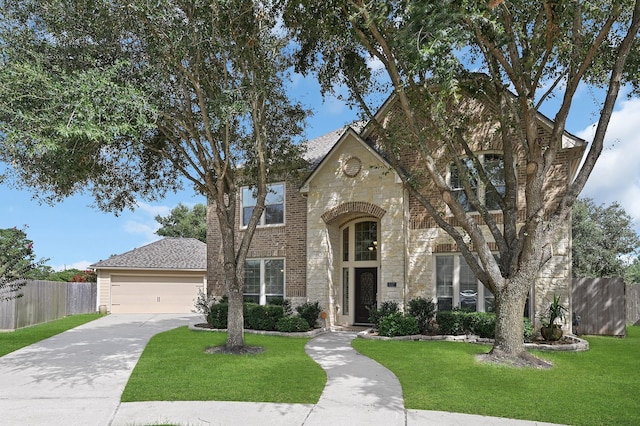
(77, 377)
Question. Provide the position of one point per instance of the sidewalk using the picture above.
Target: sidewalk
(77, 378)
(359, 391)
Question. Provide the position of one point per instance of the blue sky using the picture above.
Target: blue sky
(72, 234)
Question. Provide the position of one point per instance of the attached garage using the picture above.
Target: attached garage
(163, 277)
(154, 295)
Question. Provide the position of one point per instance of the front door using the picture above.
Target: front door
(366, 293)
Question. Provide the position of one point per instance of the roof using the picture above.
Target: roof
(319, 147)
(168, 253)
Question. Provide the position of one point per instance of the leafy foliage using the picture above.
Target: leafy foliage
(17, 261)
(602, 237)
(398, 324)
(129, 99)
(310, 311)
(386, 308)
(505, 64)
(424, 311)
(292, 324)
(184, 222)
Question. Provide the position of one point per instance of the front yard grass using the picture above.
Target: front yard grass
(597, 387)
(174, 367)
(14, 340)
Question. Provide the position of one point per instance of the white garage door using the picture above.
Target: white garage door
(156, 295)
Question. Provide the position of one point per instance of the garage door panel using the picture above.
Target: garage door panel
(133, 294)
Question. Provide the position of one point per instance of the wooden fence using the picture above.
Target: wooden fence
(601, 305)
(633, 304)
(44, 301)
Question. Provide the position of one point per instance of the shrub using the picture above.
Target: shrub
(217, 317)
(450, 322)
(483, 324)
(203, 304)
(386, 308)
(259, 317)
(292, 324)
(397, 324)
(528, 329)
(424, 311)
(310, 312)
(286, 304)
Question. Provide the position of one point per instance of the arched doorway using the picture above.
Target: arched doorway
(360, 265)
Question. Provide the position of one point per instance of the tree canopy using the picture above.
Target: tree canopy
(514, 58)
(17, 261)
(184, 222)
(124, 98)
(603, 239)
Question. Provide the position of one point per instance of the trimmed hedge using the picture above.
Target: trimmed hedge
(292, 324)
(377, 314)
(483, 324)
(262, 317)
(217, 317)
(398, 324)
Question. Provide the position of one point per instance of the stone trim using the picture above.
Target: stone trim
(331, 216)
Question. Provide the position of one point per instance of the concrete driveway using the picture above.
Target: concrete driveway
(77, 377)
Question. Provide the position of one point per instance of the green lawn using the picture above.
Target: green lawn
(175, 367)
(20, 338)
(597, 387)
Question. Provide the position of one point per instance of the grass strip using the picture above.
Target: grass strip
(597, 387)
(14, 340)
(175, 367)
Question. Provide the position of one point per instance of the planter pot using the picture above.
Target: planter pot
(552, 333)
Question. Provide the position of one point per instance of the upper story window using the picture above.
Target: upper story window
(273, 205)
(493, 165)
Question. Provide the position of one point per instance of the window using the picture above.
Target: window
(345, 291)
(273, 205)
(493, 165)
(264, 280)
(366, 241)
(457, 286)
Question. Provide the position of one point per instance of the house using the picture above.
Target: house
(162, 277)
(351, 236)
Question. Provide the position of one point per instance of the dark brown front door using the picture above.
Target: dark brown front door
(366, 293)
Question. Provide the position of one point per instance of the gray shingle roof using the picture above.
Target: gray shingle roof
(319, 147)
(168, 253)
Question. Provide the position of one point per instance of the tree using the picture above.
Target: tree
(602, 236)
(123, 99)
(184, 223)
(511, 61)
(17, 260)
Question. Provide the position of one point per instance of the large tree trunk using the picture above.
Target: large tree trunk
(235, 318)
(510, 301)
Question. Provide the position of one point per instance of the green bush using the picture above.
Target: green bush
(386, 308)
(310, 312)
(450, 322)
(217, 317)
(482, 324)
(262, 317)
(286, 304)
(397, 324)
(292, 324)
(528, 329)
(424, 311)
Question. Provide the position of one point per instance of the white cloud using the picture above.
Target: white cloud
(81, 265)
(616, 176)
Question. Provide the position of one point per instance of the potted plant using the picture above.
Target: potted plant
(551, 330)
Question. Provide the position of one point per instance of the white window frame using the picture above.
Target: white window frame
(480, 190)
(263, 285)
(456, 296)
(262, 223)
